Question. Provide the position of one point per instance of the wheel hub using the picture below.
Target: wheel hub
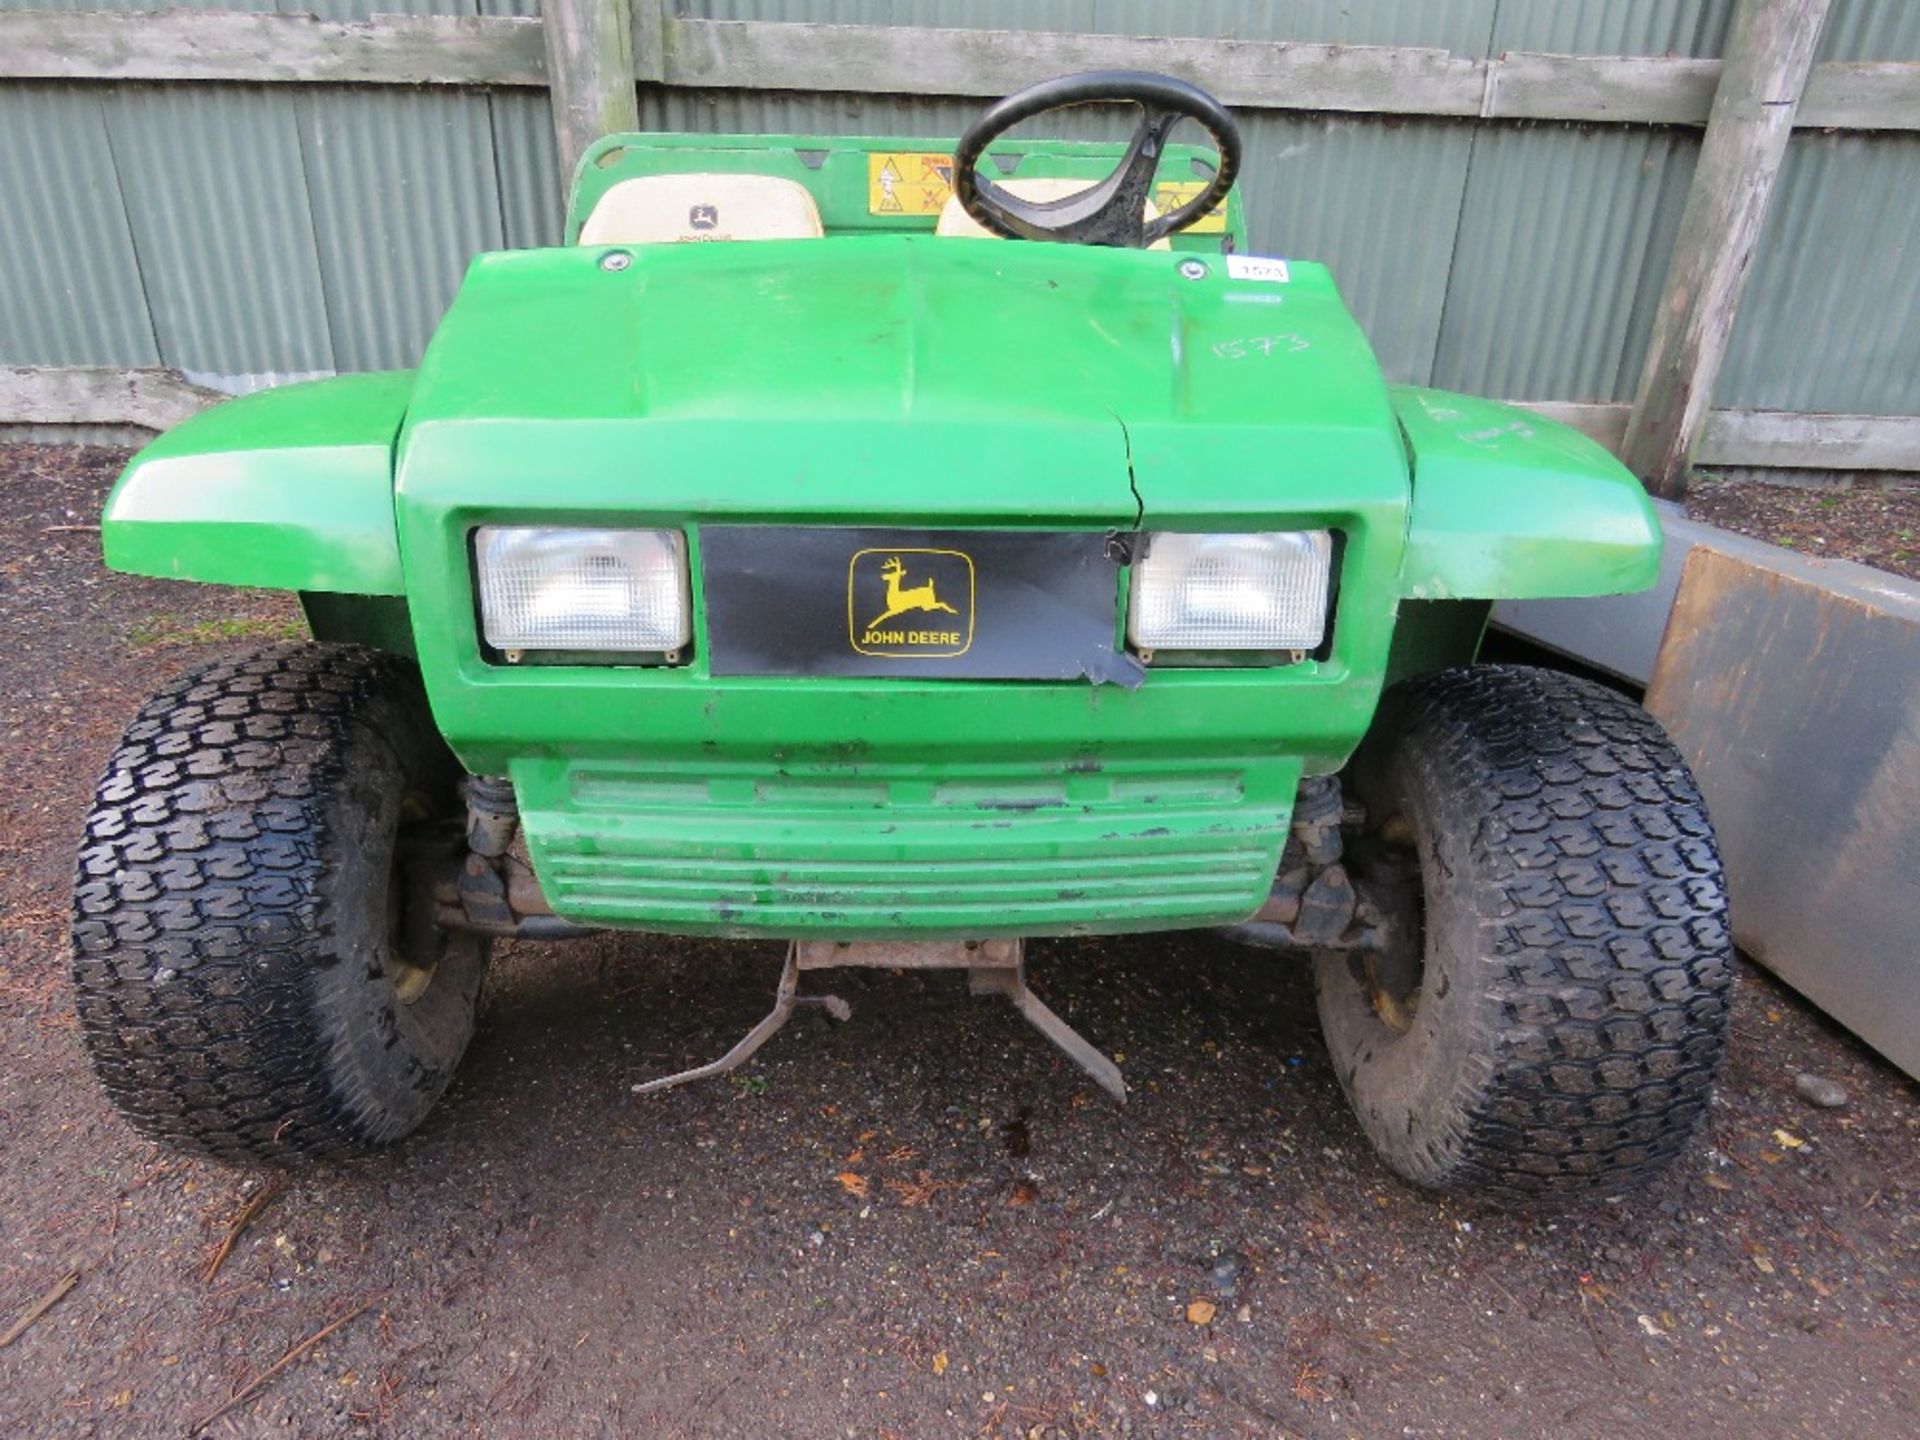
(415, 940)
(1396, 1009)
(410, 980)
(1394, 972)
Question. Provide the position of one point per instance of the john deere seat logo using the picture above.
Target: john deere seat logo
(910, 604)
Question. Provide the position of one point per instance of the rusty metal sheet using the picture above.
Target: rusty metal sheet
(1793, 689)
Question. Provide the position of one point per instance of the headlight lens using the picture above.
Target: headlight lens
(592, 590)
(1231, 592)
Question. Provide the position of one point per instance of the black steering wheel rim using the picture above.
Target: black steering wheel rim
(1111, 211)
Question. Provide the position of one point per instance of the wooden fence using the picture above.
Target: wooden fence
(591, 55)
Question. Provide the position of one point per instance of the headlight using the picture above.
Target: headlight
(1231, 592)
(590, 590)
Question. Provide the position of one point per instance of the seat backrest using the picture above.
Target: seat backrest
(955, 221)
(672, 209)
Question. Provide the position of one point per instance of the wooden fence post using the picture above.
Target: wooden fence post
(589, 73)
(650, 39)
(1770, 47)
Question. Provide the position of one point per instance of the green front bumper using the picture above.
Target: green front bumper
(673, 799)
(872, 851)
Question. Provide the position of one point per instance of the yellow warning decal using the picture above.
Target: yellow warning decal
(1170, 195)
(907, 183)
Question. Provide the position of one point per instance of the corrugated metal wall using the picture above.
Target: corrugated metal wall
(251, 233)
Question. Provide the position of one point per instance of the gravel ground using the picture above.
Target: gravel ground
(1877, 525)
(916, 1224)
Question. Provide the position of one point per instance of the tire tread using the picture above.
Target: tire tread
(198, 907)
(1602, 924)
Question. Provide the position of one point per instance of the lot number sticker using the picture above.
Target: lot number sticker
(1257, 267)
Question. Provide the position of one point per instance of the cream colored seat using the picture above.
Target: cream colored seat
(955, 221)
(673, 209)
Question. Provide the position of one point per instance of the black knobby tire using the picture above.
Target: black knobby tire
(1568, 995)
(245, 983)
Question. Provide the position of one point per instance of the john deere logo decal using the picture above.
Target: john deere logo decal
(910, 604)
(703, 217)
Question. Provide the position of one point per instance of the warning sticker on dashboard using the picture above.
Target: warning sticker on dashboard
(1170, 195)
(908, 182)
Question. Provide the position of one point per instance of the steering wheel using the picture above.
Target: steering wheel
(1113, 212)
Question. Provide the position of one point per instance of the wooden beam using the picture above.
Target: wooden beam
(915, 60)
(1675, 90)
(99, 395)
(1770, 48)
(1855, 95)
(1637, 89)
(590, 68)
(1262, 75)
(215, 46)
(1766, 439)
(649, 39)
(1600, 421)
(1785, 440)
(232, 46)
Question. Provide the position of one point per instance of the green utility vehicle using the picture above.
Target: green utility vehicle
(871, 583)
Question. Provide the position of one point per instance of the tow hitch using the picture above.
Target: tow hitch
(994, 967)
(488, 887)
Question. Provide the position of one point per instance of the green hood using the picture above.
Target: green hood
(904, 376)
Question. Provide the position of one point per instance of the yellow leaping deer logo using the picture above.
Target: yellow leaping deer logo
(902, 599)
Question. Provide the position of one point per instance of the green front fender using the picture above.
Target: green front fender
(1510, 505)
(289, 489)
